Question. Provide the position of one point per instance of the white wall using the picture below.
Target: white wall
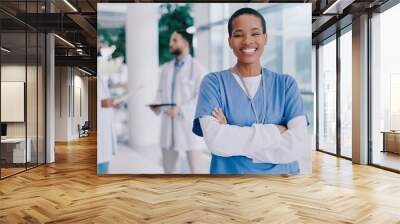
(61, 103)
(12, 101)
(68, 81)
(79, 117)
(14, 73)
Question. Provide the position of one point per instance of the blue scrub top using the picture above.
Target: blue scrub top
(283, 102)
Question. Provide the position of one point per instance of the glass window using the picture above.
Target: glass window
(220, 53)
(385, 84)
(22, 89)
(217, 47)
(13, 84)
(327, 96)
(273, 53)
(31, 99)
(346, 94)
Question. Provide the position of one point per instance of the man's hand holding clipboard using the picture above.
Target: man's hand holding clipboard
(156, 108)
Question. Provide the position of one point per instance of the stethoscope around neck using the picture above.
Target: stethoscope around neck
(259, 120)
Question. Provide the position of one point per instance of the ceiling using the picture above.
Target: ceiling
(75, 23)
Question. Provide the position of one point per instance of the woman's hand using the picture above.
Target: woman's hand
(217, 113)
(172, 112)
(281, 128)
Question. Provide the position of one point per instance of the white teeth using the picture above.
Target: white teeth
(249, 50)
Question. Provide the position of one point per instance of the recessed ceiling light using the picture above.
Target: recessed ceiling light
(84, 71)
(337, 6)
(5, 50)
(70, 5)
(64, 40)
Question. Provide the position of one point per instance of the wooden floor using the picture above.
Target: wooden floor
(70, 191)
(10, 171)
(387, 159)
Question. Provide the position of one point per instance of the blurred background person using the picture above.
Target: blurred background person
(105, 127)
(179, 84)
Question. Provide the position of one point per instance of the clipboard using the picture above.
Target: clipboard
(161, 104)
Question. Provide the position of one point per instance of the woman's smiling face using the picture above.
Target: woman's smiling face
(247, 39)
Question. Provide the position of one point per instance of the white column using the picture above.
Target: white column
(142, 60)
(360, 90)
(313, 84)
(50, 99)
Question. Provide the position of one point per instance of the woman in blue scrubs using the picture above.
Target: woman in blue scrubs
(252, 119)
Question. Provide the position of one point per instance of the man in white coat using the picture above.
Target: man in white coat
(179, 84)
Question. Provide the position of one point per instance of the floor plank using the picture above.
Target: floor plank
(70, 191)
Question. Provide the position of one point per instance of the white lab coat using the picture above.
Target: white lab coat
(187, 87)
(106, 138)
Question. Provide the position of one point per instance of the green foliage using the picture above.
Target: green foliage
(113, 36)
(173, 17)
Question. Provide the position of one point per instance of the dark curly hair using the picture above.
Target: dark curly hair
(243, 11)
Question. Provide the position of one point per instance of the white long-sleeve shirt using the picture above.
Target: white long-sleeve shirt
(263, 143)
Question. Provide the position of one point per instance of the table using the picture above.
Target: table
(13, 150)
(391, 141)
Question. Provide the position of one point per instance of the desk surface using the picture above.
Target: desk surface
(390, 132)
(13, 140)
